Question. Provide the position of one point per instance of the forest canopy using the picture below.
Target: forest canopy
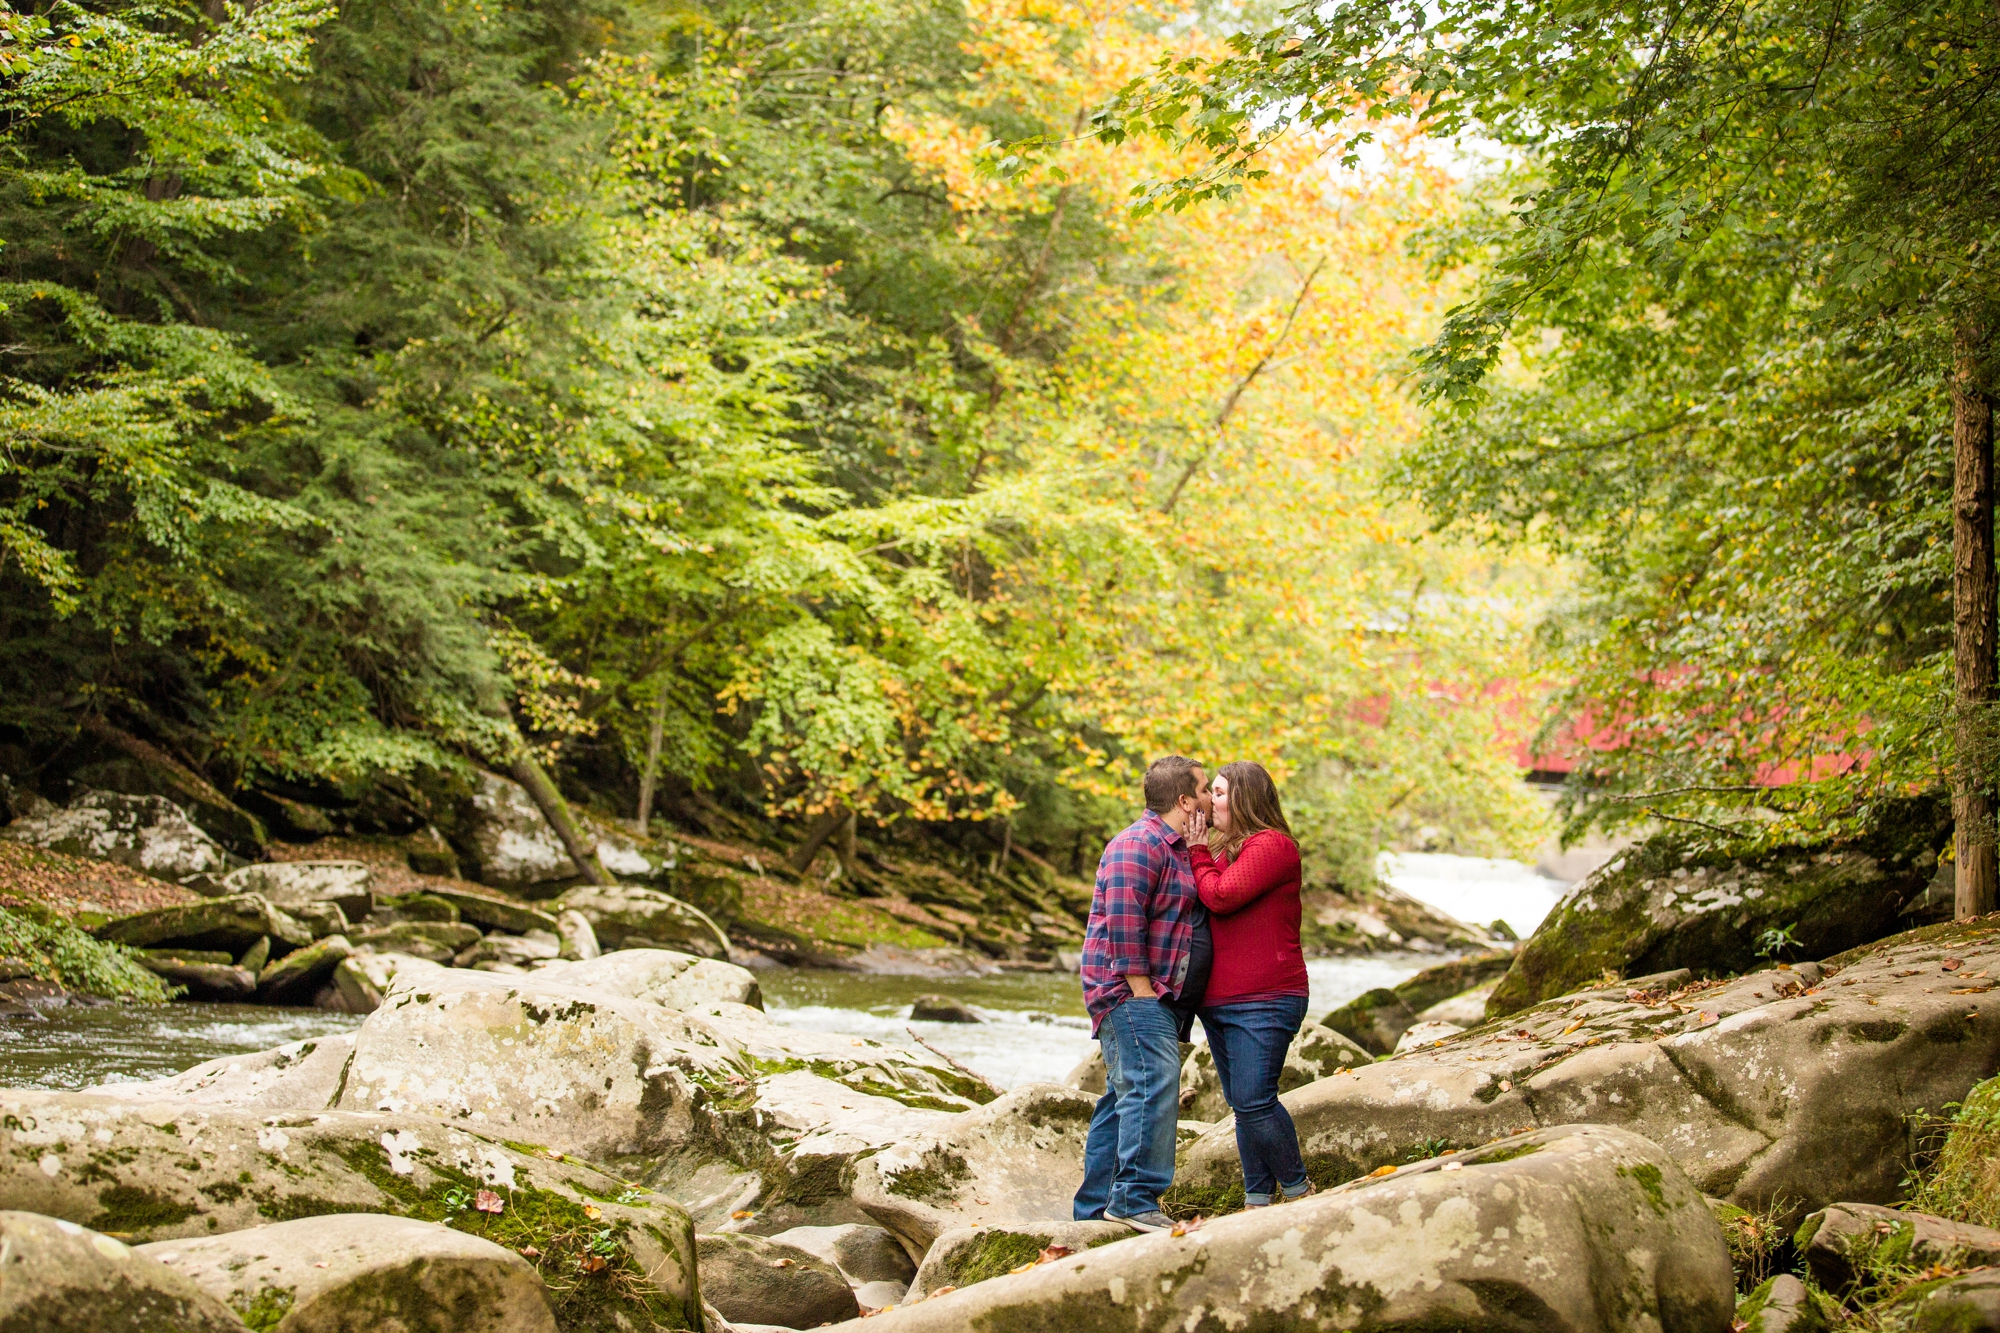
(619, 385)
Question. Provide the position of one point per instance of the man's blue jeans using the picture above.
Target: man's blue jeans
(1249, 1042)
(1128, 1160)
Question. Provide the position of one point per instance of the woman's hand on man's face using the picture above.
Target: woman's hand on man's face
(1197, 827)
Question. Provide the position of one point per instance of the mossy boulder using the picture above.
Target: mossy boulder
(1783, 1304)
(58, 1277)
(295, 978)
(1581, 1229)
(1455, 977)
(503, 839)
(492, 912)
(364, 1271)
(1015, 1160)
(1372, 1021)
(1845, 1240)
(1963, 1303)
(1791, 1088)
(153, 1170)
(967, 1255)
(1656, 907)
(231, 924)
(149, 834)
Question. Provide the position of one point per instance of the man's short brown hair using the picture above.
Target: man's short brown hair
(1169, 779)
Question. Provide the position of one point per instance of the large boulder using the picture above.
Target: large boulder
(629, 916)
(575, 1070)
(505, 841)
(231, 924)
(211, 978)
(363, 1271)
(1958, 1303)
(491, 911)
(149, 834)
(968, 1255)
(63, 1278)
(664, 977)
(153, 1170)
(1782, 1304)
(1015, 1160)
(291, 884)
(757, 1281)
(1790, 1087)
(1653, 908)
(298, 1076)
(1581, 1229)
(362, 979)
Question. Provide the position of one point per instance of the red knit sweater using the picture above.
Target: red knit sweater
(1254, 915)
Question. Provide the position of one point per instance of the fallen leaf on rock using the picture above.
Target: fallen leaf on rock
(1053, 1253)
(1388, 1170)
(781, 1263)
(740, 1214)
(1572, 1027)
(592, 1211)
(1192, 1224)
(1028, 1267)
(530, 1252)
(486, 1201)
(1952, 964)
(941, 1291)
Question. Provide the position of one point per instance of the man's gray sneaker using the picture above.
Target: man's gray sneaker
(1153, 1221)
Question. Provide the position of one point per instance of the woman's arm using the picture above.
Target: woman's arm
(1267, 860)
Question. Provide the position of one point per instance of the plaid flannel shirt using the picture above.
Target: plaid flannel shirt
(1142, 916)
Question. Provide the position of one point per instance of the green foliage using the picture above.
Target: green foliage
(56, 951)
(1723, 281)
(393, 386)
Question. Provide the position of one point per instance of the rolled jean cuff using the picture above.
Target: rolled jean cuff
(1297, 1191)
(1256, 1200)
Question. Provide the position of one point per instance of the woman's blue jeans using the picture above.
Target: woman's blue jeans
(1249, 1042)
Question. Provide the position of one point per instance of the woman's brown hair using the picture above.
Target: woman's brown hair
(1253, 807)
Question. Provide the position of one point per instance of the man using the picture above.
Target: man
(1135, 961)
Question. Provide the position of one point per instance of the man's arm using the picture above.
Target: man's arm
(1128, 890)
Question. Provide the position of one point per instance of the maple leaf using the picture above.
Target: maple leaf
(486, 1201)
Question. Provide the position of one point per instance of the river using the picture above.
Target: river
(1032, 1028)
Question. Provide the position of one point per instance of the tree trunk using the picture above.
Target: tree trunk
(1973, 629)
(823, 828)
(652, 763)
(554, 809)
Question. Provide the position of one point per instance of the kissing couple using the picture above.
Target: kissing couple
(1196, 914)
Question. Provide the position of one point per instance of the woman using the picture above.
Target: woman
(1247, 875)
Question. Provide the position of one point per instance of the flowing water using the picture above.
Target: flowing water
(1032, 1028)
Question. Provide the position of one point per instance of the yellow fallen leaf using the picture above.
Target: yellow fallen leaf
(1389, 1170)
(592, 1211)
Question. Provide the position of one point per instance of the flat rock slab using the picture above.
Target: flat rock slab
(298, 1076)
(665, 977)
(364, 1271)
(58, 1277)
(970, 1255)
(1016, 1160)
(752, 1279)
(580, 1071)
(1582, 1229)
(626, 916)
(1789, 1084)
(151, 1171)
(494, 912)
(219, 982)
(231, 924)
(287, 884)
(1834, 1237)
